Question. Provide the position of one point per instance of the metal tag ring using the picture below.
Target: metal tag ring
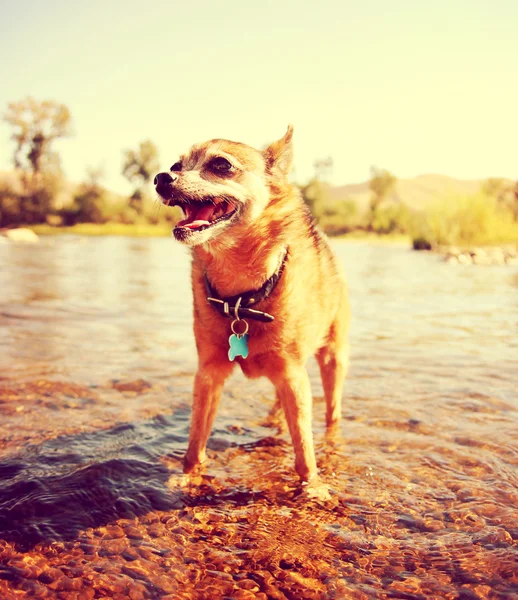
(233, 329)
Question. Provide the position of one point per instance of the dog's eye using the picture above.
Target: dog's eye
(176, 167)
(220, 165)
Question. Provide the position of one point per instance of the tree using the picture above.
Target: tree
(36, 125)
(316, 196)
(323, 168)
(495, 186)
(381, 183)
(90, 201)
(505, 192)
(139, 167)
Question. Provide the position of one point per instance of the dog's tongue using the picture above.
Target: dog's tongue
(198, 217)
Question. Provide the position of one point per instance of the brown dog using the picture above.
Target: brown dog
(257, 254)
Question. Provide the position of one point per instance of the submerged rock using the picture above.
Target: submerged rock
(421, 244)
(22, 234)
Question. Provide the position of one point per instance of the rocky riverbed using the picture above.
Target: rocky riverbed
(497, 255)
(97, 360)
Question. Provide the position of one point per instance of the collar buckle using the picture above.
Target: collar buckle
(240, 304)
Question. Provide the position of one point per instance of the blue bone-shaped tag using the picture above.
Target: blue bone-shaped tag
(238, 346)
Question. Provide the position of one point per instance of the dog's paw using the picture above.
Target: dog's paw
(178, 481)
(317, 491)
(193, 462)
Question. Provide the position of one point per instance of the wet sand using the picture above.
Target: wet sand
(96, 367)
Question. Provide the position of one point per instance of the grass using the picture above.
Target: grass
(120, 229)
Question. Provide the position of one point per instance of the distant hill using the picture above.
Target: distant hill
(417, 193)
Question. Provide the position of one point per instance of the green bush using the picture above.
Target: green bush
(29, 202)
(478, 219)
(335, 217)
(389, 218)
(316, 196)
(94, 204)
(119, 210)
(339, 217)
(90, 203)
(10, 206)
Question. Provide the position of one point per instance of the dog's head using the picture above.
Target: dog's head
(220, 184)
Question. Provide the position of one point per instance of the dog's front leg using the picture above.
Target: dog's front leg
(208, 385)
(294, 392)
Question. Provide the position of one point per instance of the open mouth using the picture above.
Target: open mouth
(200, 215)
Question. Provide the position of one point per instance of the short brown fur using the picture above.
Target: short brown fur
(310, 302)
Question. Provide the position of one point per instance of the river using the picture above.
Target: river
(96, 365)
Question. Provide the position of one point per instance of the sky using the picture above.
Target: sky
(413, 87)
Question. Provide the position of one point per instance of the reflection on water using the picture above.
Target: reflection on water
(96, 365)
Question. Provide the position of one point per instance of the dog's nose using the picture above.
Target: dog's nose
(163, 179)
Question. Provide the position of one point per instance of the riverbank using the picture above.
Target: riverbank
(96, 229)
(393, 239)
(480, 254)
(164, 230)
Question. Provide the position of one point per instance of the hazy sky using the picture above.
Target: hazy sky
(415, 87)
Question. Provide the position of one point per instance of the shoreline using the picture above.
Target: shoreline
(497, 253)
(105, 229)
(148, 230)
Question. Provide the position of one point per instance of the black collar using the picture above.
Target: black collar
(226, 306)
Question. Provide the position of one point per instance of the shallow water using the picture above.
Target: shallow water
(96, 367)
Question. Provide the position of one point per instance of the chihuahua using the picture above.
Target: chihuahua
(268, 292)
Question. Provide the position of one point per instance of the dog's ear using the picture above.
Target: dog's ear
(279, 155)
